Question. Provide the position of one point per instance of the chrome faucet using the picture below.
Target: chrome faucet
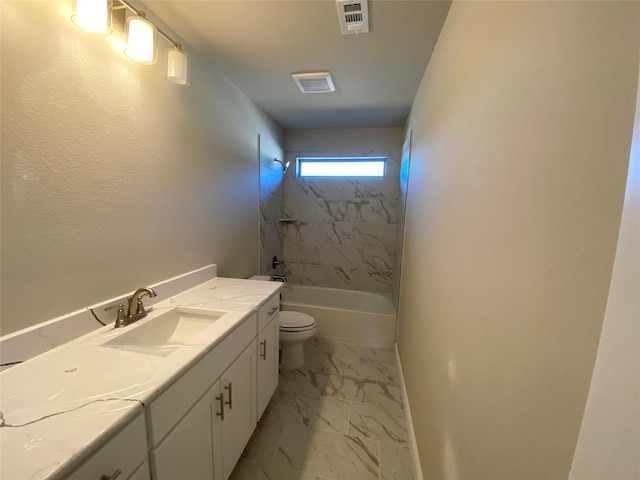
(140, 312)
(279, 278)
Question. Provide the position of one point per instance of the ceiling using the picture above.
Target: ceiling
(258, 44)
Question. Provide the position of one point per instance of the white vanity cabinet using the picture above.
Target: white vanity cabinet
(268, 347)
(123, 457)
(235, 417)
(187, 451)
(200, 424)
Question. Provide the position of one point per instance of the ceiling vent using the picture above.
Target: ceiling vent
(314, 82)
(354, 16)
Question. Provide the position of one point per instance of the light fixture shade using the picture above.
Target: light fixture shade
(178, 66)
(141, 40)
(93, 15)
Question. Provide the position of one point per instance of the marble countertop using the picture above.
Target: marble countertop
(61, 406)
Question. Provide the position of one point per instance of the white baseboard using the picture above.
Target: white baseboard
(417, 466)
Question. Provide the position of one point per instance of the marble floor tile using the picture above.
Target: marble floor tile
(330, 385)
(250, 470)
(322, 413)
(383, 372)
(264, 441)
(373, 421)
(389, 395)
(395, 462)
(332, 455)
(338, 418)
(380, 355)
(324, 355)
(286, 474)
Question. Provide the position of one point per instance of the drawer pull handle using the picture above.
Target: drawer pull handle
(113, 476)
(230, 402)
(272, 311)
(220, 398)
(264, 350)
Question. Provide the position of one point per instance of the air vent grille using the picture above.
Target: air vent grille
(353, 16)
(314, 82)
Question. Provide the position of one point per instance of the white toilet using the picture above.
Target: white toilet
(295, 329)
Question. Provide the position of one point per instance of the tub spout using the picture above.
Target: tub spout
(280, 278)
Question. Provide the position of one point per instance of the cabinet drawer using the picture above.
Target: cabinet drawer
(172, 404)
(124, 452)
(268, 311)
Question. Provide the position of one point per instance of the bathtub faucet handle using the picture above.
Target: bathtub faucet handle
(275, 262)
(280, 278)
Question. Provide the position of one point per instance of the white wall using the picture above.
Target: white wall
(609, 442)
(113, 178)
(521, 134)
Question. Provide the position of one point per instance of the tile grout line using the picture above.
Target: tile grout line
(273, 455)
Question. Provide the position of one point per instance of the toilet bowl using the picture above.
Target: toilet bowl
(295, 329)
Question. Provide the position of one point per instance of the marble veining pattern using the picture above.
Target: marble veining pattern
(345, 230)
(302, 436)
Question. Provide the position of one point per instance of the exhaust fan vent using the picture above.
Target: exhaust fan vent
(354, 16)
(314, 82)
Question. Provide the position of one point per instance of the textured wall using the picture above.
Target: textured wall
(521, 135)
(113, 178)
(345, 230)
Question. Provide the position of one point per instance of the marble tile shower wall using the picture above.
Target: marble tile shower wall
(271, 208)
(344, 234)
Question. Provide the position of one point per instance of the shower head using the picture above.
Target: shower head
(284, 165)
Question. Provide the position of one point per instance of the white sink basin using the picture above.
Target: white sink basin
(166, 333)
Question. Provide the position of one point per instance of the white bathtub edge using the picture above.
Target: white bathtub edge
(376, 330)
(417, 466)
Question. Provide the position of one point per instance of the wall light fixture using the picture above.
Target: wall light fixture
(96, 16)
(141, 39)
(93, 15)
(178, 66)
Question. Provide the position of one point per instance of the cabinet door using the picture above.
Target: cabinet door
(267, 363)
(119, 457)
(187, 451)
(238, 388)
(142, 473)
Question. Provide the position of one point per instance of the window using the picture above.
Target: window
(342, 167)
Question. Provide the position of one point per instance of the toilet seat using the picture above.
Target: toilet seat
(296, 322)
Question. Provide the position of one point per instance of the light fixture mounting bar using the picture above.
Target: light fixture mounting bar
(162, 34)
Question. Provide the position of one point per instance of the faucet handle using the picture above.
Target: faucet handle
(140, 310)
(120, 319)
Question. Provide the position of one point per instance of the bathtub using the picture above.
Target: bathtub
(365, 317)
